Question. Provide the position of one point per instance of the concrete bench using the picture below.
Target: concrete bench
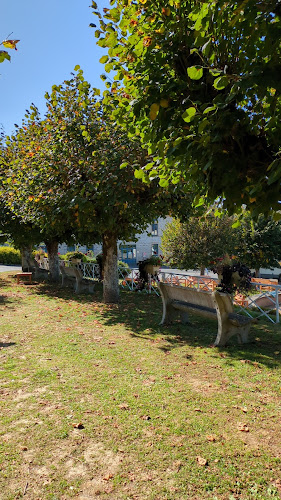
(74, 276)
(37, 271)
(209, 304)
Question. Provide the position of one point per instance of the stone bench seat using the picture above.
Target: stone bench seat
(214, 305)
(73, 276)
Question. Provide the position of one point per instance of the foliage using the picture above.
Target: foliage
(234, 278)
(8, 44)
(199, 82)
(63, 173)
(19, 232)
(260, 242)
(9, 255)
(154, 260)
(123, 269)
(196, 243)
(75, 255)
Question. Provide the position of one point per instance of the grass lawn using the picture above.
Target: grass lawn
(99, 401)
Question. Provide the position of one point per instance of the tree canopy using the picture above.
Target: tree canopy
(199, 241)
(259, 242)
(199, 82)
(62, 173)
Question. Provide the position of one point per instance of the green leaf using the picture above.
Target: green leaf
(277, 216)
(236, 224)
(195, 72)
(139, 174)
(103, 59)
(189, 114)
(77, 67)
(221, 82)
(164, 183)
(4, 55)
(124, 165)
(210, 108)
(206, 48)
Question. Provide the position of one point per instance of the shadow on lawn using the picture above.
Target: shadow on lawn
(6, 344)
(141, 313)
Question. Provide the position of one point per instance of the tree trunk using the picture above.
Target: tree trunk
(26, 253)
(202, 270)
(110, 269)
(257, 272)
(54, 267)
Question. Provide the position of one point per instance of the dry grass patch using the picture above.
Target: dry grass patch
(100, 401)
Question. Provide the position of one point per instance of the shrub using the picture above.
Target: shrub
(75, 255)
(9, 255)
(123, 269)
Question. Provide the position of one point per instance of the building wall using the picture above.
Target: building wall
(144, 244)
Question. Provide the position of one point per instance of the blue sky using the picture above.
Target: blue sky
(54, 37)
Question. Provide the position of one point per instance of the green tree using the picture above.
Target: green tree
(260, 243)
(63, 174)
(199, 81)
(197, 242)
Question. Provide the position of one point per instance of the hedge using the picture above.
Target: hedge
(9, 255)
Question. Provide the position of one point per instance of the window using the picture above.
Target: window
(154, 249)
(154, 228)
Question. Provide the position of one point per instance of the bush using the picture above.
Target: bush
(9, 255)
(75, 255)
(123, 269)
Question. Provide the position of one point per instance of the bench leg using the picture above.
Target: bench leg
(227, 330)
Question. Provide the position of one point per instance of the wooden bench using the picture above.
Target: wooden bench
(209, 304)
(25, 276)
(74, 276)
(264, 284)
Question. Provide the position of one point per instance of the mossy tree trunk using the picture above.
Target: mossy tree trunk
(54, 267)
(110, 269)
(26, 253)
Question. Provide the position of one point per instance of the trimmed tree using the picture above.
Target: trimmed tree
(199, 241)
(260, 243)
(64, 174)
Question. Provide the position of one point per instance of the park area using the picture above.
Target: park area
(98, 400)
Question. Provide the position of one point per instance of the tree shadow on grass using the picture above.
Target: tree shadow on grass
(6, 344)
(55, 290)
(141, 314)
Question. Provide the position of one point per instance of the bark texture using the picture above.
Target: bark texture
(110, 269)
(26, 253)
(54, 267)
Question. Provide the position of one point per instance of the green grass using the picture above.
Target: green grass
(151, 402)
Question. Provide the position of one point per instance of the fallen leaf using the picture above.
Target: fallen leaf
(124, 406)
(108, 477)
(78, 425)
(202, 461)
(211, 437)
(243, 428)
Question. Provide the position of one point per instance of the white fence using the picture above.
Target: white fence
(265, 303)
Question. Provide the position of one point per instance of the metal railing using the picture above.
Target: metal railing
(263, 304)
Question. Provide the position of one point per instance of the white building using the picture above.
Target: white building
(148, 243)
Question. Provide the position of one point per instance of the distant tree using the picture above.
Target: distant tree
(259, 243)
(199, 241)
